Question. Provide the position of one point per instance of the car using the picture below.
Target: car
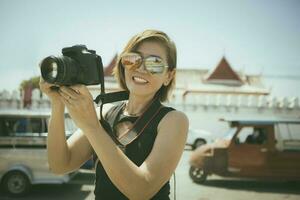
(197, 138)
(266, 149)
(23, 153)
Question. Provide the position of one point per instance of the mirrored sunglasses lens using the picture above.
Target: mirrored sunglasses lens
(154, 64)
(131, 61)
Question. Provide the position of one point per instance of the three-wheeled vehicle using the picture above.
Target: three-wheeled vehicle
(23, 155)
(259, 149)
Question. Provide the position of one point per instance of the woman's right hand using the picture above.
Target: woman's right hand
(53, 94)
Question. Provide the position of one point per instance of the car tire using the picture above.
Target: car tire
(197, 175)
(198, 143)
(16, 183)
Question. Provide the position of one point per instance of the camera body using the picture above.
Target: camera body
(78, 65)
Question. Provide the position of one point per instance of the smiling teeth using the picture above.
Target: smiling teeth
(139, 80)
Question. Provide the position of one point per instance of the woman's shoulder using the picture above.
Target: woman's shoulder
(174, 118)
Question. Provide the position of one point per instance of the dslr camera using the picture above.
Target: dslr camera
(78, 65)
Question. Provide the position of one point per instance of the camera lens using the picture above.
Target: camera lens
(49, 69)
(59, 70)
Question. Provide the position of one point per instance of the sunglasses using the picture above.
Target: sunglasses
(153, 64)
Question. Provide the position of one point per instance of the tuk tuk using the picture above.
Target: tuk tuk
(258, 149)
(23, 154)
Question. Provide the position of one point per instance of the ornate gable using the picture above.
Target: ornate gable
(224, 74)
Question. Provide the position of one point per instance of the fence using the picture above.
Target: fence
(15, 100)
(40, 101)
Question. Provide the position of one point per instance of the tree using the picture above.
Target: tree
(33, 82)
(26, 87)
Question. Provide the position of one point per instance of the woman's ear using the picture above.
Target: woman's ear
(170, 76)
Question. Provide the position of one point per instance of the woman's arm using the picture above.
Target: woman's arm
(56, 140)
(64, 155)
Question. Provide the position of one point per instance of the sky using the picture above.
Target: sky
(256, 36)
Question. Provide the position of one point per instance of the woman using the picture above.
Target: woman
(141, 169)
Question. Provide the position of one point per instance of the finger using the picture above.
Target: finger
(67, 100)
(47, 88)
(65, 96)
(45, 83)
(79, 88)
(69, 92)
(64, 100)
(42, 82)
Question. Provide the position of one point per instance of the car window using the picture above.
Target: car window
(69, 125)
(36, 125)
(230, 133)
(244, 133)
(288, 131)
(30, 126)
(287, 136)
(252, 135)
(6, 128)
(294, 130)
(282, 132)
(10, 126)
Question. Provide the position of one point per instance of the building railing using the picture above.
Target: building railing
(41, 101)
(236, 100)
(15, 100)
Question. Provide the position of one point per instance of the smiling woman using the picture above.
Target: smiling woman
(137, 160)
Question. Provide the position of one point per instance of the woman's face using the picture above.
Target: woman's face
(141, 82)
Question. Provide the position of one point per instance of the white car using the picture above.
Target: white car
(198, 137)
(23, 154)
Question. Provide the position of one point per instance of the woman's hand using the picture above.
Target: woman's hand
(53, 94)
(80, 105)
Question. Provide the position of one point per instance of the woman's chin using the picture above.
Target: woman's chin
(141, 92)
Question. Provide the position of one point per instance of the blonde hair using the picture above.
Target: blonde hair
(155, 36)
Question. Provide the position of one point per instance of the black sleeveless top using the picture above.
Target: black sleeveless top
(137, 152)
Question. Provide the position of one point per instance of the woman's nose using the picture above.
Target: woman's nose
(142, 68)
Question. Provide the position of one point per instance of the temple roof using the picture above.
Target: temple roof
(224, 74)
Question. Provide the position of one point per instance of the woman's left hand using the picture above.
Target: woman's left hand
(80, 105)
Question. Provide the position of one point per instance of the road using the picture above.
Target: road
(81, 188)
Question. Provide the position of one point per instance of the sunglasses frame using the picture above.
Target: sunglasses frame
(143, 62)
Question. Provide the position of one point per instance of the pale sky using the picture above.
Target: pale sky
(257, 36)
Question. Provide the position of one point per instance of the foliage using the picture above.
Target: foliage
(34, 82)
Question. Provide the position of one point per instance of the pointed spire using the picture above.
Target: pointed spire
(109, 68)
(224, 74)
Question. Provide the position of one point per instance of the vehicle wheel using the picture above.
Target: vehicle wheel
(199, 143)
(198, 175)
(16, 183)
